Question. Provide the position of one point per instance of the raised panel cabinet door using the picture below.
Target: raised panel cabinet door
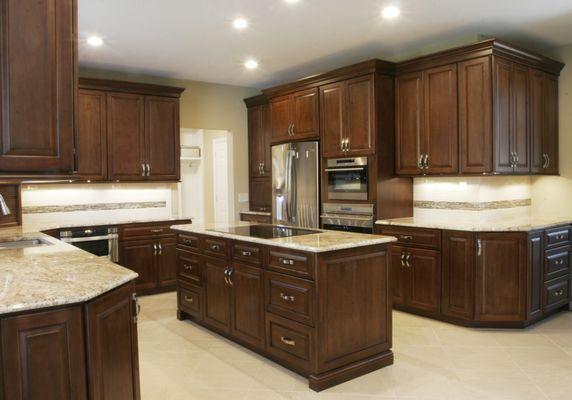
(254, 139)
(162, 138)
(260, 195)
(281, 119)
(399, 276)
(520, 121)
(550, 132)
(126, 136)
(502, 115)
(360, 115)
(332, 119)
(441, 135)
(91, 140)
(167, 262)
(500, 277)
(536, 116)
(140, 256)
(475, 115)
(247, 304)
(425, 279)
(458, 273)
(409, 123)
(217, 294)
(305, 114)
(265, 146)
(536, 275)
(38, 85)
(112, 346)
(43, 356)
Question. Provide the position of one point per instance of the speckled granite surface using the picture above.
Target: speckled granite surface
(52, 275)
(316, 243)
(98, 222)
(262, 213)
(499, 225)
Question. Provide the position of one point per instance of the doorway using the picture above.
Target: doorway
(223, 206)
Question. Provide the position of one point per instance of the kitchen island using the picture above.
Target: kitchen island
(317, 303)
(67, 322)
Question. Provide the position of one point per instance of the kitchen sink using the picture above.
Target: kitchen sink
(23, 243)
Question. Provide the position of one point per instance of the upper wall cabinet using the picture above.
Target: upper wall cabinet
(128, 131)
(488, 108)
(294, 116)
(260, 159)
(38, 86)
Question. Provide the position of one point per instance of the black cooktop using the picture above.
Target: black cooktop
(266, 231)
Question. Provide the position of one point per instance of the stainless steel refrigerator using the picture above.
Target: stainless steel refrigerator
(295, 187)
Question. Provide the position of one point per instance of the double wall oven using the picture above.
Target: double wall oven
(347, 178)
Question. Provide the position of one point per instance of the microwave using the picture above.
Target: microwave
(347, 178)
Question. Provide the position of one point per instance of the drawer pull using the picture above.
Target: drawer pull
(286, 297)
(188, 267)
(286, 261)
(188, 299)
(156, 230)
(406, 237)
(287, 341)
(559, 262)
(559, 293)
(215, 247)
(187, 241)
(246, 253)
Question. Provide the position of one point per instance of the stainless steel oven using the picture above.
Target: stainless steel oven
(100, 241)
(347, 178)
(348, 217)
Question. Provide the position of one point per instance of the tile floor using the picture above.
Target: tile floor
(433, 360)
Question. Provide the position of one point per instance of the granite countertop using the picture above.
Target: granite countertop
(52, 275)
(263, 213)
(498, 225)
(322, 241)
(99, 222)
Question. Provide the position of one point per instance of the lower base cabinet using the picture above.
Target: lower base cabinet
(47, 355)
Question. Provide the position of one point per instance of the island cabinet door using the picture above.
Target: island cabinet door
(167, 262)
(399, 276)
(501, 277)
(217, 294)
(425, 279)
(140, 256)
(458, 271)
(113, 357)
(247, 304)
(43, 356)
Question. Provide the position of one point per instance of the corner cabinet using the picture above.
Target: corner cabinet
(139, 125)
(39, 84)
(294, 116)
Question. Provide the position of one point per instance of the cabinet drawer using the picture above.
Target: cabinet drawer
(146, 231)
(291, 262)
(247, 252)
(190, 242)
(189, 267)
(289, 341)
(290, 297)
(215, 247)
(559, 236)
(556, 293)
(557, 263)
(190, 301)
(430, 238)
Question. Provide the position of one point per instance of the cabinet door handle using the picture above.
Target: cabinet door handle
(246, 253)
(406, 237)
(188, 267)
(426, 161)
(188, 299)
(293, 129)
(420, 161)
(226, 276)
(143, 170)
(155, 248)
(547, 161)
(559, 293)
(559, 262)
(187, 241)
(137, 307)
(148, 169)
(215, 247)
(408, 260)
(403, 259)
(479, 247)
(286, 297)
(286, 261)
(287, 341)
(160, 249)
(230, 272)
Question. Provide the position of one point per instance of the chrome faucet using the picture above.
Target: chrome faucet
(4, 207)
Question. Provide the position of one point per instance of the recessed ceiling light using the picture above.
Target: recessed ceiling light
(390, 12)
(94, 41)
(291, 1)
(251, 64)
(240, 23)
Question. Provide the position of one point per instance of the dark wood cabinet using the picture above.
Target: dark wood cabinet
(217, 294)
(398, 277)
(39, 84)
(91, 140)
(332, 119)
(167, 262)
(294, 116)
(457, 291)
(409, 123)
(260, 195)
(162, 138)
(139, 256)
(260, 159)
(43, 356)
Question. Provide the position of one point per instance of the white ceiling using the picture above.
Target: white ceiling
(194, 39)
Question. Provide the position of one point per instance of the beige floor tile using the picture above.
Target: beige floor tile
(480, 358)
(556, 383)
(528, 338)
(496, 385)
(538, 359)
(458, 336)
(414, 336)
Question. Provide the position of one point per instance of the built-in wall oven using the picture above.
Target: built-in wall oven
(347, 178)
(100, 241)
(348, 217)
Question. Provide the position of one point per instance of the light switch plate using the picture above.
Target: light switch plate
(243, 197)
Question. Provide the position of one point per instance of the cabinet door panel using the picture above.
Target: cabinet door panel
(280, 118)
(38, 85)
(399, 276)
(332, 118)
(502, 115)
(140, 257)
(409, 113)
(537, 126)
(260, 194)
(125, 124)
(536, 279)
(91, 141)
(43, 356)
(440, 136)
(168, 262)
(425, 279)
(247, 304)
(501, 277)
(550, 136)
(475, 115)
(457, 283)
(217, 295)
(162, 137)
(305, 114)
(254, 139)
(520, 117)
(360, 115)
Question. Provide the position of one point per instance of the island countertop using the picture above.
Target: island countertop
(52, 274)
(319, 242)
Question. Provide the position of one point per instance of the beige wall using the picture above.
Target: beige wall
(552, 196)
(206, 106)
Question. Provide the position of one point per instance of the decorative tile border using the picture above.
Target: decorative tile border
(471, 206)
(93, 207)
